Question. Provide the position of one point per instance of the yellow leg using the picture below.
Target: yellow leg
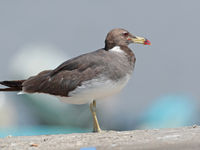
(96, 127)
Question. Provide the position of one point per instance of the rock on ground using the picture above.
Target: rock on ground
(186, 138)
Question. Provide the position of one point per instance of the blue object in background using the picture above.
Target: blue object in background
(170, 111)
(88, 148)
(39, 130)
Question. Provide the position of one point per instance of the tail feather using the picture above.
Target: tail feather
(12, 85)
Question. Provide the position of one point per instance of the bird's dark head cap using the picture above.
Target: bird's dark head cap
(121, 37)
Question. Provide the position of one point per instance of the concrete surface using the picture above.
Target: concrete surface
(186, 138)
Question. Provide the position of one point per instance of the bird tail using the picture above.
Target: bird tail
(12, 85)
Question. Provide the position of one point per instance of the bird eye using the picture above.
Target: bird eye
(125, 34)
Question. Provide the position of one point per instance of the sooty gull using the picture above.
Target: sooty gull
(88, 77)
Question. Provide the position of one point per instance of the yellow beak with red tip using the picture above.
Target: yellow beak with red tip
(140, 40)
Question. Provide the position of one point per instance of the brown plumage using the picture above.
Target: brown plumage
(72, 73)
(13, 85)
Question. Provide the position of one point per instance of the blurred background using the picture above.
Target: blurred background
(162, 93)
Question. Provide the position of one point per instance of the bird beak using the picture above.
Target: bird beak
(140, 40)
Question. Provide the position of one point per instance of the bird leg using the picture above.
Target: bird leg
(96, 127)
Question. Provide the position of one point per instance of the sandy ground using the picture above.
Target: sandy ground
(186, 138)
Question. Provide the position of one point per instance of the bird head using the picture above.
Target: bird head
(121, 37)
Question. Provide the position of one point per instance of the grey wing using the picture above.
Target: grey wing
(65, 77)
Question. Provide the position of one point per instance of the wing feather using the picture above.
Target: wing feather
(65, 77)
